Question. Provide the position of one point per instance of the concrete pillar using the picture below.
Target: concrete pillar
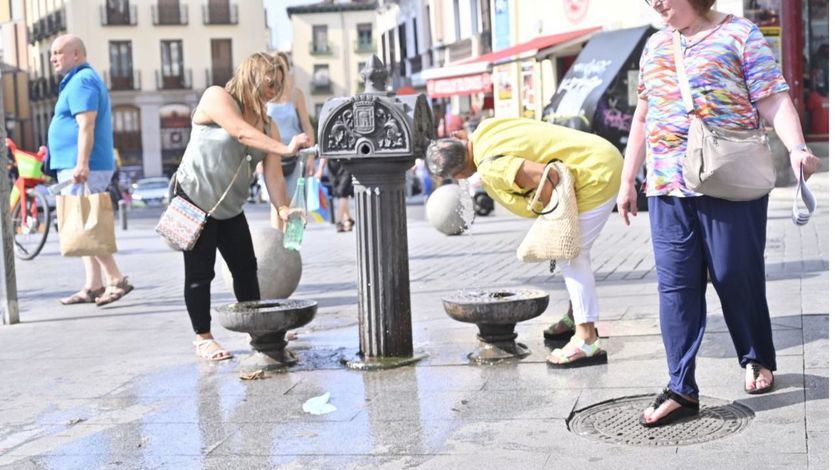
(149, 106)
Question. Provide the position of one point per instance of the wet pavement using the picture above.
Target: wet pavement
(119, 386)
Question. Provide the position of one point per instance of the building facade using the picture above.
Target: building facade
(332, 41)
(515, 64)
(460, 32)
(156, 57)
(405, 37)
(14, 63)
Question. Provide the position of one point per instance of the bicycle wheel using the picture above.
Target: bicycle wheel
(30, 225)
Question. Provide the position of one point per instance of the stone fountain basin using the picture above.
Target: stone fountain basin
(496, 306)
(266, 316)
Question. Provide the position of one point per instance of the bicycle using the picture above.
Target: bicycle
(30, 211)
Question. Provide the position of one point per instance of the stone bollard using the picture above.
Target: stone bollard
(377, 136)
(445, 211)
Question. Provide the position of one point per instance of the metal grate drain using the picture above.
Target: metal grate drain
(616, 422)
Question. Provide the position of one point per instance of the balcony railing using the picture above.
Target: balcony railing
(365, 47)
(320, 48)
(41, 88)
(34, 32)
(60, 21)
(42, 27)
(52, 86)
(173, 82)
(460, 50)
(415, 64)
(485, 39)
(47, 26)
(218, 76)
(469, 47)
(132, 80)
(226, 14)
(176, 15)
(321, 88)
(111, 17)
(34, 92)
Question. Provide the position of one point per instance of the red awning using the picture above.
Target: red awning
(533, 45)
(457, 86)
(406, 90)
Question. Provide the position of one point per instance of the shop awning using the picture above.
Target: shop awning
(530, 48)
(473, 75)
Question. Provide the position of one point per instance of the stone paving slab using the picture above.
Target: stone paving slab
(119, 387)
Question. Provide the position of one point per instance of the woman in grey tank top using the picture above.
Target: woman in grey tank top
(289, 112)
(231, 133)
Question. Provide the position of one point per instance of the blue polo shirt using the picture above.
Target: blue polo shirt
(81, 90)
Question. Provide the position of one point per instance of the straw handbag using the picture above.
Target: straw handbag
(555, 234)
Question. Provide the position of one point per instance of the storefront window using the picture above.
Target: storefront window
(817, 40)
(766, 15)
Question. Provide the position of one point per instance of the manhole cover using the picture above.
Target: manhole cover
(616, 422)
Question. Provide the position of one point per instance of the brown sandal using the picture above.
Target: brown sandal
(114, 292)
(84, 296)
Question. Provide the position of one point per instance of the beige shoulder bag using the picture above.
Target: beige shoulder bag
(735, 165)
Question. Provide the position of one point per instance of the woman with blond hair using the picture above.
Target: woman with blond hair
(289, 112)
(231, 133)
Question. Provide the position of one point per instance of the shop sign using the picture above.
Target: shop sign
(455, 86)
(504, 82)
(772, 37)
(529, 94)
(501, 28)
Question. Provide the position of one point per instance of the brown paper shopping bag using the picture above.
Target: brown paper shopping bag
(86, 225)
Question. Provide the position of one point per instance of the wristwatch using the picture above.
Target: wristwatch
(800, 147)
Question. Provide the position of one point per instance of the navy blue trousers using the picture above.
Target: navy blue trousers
(691, 237)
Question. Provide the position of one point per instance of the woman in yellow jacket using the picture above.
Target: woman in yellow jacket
(510, 155)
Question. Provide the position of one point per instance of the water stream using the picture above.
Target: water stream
(467, 213)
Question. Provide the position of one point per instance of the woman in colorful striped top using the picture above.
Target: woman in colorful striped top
(734, 81)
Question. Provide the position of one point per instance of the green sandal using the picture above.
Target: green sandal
(566, 324)
(577, 354)
(552, 333)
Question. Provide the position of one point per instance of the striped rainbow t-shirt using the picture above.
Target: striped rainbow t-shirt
(729, 70)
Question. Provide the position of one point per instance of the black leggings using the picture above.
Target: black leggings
(232, 238)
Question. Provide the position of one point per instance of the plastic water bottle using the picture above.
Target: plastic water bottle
(295, 222)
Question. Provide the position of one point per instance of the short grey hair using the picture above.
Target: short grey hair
(446, 157)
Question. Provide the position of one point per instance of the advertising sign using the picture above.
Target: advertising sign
(529, 94)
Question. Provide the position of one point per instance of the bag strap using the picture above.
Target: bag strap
(684, 83)
(496, 157)
(545, 172)
(681, 72)
(229, 187)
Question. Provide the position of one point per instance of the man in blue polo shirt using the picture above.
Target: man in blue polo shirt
(81, 149)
